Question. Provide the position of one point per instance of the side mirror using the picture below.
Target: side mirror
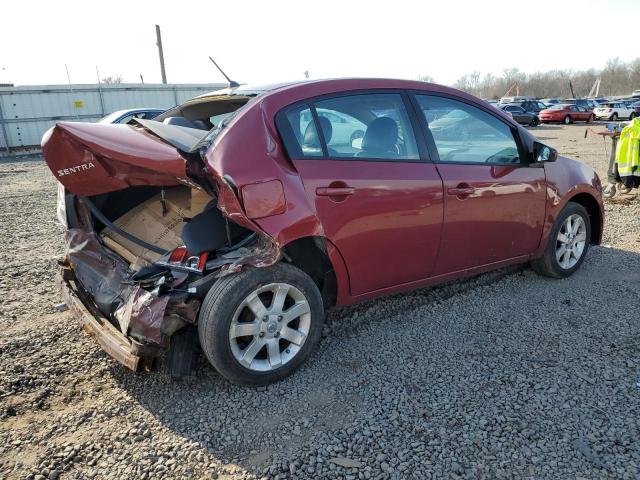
(543, 153)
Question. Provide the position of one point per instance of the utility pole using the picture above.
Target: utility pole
(161, 53)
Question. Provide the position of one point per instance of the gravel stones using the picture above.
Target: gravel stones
(505, 375)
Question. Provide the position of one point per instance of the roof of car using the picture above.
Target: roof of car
(248, 89)
(279, 95)
(338, 84)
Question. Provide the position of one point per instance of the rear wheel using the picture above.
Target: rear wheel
(534, 122)
(567, 120)
(258, 326)
(633, 115)
(568, 243)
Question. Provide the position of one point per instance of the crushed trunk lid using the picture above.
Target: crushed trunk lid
(94, 158)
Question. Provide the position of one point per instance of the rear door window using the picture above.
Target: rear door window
(373, 126)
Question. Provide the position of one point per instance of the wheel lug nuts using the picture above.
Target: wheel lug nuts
(265, 318)
(277, 334)
(261, 334)
(279, 318)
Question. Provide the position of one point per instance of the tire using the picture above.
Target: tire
(226, 307)
(632, 116)
(567, 120)
(534, 122)
(614, 117)
(551, 264)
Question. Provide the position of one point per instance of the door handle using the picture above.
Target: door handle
(334, 191)
(463, 190)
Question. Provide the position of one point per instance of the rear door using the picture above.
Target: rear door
(494, 201)
(625, 110)
(581, 113)
(380, 203)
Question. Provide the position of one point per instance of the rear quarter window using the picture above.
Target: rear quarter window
(298, 131)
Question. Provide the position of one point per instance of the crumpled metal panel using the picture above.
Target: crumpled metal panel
(139, 313)
(100, 273)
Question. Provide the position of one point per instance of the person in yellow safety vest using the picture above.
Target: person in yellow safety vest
(628, 154)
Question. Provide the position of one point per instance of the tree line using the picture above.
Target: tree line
(616, 78)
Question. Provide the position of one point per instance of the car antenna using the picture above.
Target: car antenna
(232, 84)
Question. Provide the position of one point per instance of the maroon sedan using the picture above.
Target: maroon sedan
(316, 194)
(566, 113)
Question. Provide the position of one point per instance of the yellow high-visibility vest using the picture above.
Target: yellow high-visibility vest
(628, 150)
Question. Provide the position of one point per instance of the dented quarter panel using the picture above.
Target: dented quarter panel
(250, 152)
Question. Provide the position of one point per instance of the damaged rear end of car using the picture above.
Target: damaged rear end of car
(150, 226)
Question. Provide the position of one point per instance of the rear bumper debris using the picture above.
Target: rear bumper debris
(125, 350)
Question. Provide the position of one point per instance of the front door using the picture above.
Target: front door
(494, 201)
(378, 202)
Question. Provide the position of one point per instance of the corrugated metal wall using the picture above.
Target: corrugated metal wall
(27, 112)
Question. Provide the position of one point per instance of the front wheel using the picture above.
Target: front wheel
(568, 243)
(534, 122)
(614, 117)
(258, 326)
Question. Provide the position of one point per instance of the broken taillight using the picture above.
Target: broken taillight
(181, 260)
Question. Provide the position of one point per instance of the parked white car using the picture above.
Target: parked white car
(614, 111)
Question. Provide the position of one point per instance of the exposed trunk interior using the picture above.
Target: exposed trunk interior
(166, 217)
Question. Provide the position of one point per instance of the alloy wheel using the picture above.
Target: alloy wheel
(571, 241)
(270, 327)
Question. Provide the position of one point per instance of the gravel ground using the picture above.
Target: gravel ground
(505, 375)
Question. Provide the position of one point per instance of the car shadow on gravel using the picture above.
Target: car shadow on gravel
(506, 372)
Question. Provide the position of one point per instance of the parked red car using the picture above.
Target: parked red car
(439, 186)
(566, 113)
